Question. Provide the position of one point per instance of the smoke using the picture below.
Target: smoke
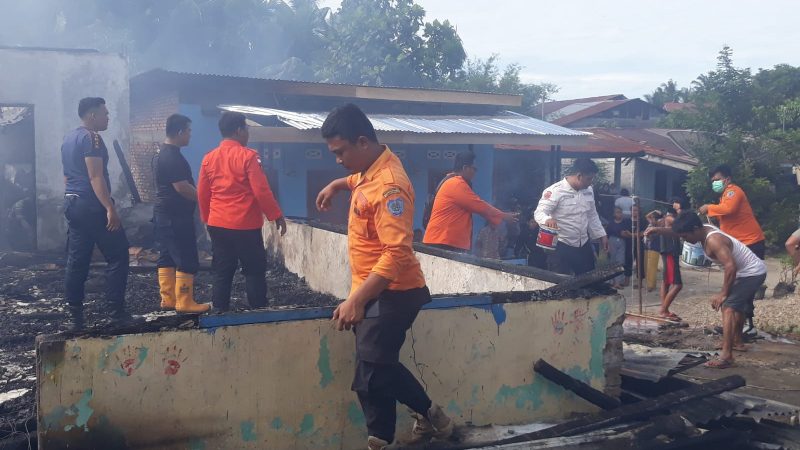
(243, 37)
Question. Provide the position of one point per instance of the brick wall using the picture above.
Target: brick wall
(148, 124)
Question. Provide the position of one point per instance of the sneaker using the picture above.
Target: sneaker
(749, 330)
(374, 443)
(436, 426)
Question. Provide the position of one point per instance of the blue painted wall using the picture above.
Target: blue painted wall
(205, 135)
(291, 163)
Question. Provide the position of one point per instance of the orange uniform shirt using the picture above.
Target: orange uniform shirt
(232, 190)
(380, 227)
(451, 216)
(736, 216)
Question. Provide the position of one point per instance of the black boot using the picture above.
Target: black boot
(119, 316)
(256, 287)
(76, 318)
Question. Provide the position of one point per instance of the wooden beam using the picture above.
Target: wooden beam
(392, 93)
(288, 135)
(635, 411)
(580, 388)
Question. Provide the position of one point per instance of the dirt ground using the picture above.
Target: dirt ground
(31, 303)
(771, 365)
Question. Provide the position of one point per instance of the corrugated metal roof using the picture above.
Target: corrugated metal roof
(506, 122)
(653, 364)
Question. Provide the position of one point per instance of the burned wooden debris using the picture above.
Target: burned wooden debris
(659, 411)
(580, 388)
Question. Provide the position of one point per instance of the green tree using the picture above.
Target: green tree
(666, 93)
(387, 42)
(751, 123)
(486, 75)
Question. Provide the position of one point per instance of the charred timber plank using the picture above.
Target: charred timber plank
(596, 276)
(635, 411)
(126, 171)
(580, 388)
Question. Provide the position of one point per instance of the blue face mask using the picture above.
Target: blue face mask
(718, 186)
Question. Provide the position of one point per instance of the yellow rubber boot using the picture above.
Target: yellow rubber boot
(166, 283)
(184, 287)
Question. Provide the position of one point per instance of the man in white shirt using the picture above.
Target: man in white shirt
(744, 274)
(569, 207)
(625, 203)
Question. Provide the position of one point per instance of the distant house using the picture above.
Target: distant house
(671, 107)
(658, 171)
(610, 111)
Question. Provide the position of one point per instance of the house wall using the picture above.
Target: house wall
(647, 181)
(287, 165)
(53, 82)
(283, 383)
(302, 248)
(149, 112)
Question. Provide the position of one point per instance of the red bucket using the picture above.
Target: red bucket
(548, 238)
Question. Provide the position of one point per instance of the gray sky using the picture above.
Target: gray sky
(590, 47)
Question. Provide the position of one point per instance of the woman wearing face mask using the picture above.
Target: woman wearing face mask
(735, 217)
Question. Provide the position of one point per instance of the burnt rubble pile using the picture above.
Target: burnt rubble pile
(31, 304)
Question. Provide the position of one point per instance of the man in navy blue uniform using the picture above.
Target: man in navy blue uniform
(91, 216)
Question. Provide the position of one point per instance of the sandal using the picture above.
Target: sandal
(719, 364)
(737, 348)
(671, 316)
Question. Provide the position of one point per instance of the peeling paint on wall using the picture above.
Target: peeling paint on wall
(526, 396)
(598, 340)
(102, 361)
(324, 363)
(248, 431)
(80, 410)
(307, 425)
(355, 415)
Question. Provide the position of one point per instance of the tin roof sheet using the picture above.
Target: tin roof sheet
(504, 123)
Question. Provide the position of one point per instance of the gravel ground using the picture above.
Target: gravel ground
(773, 315)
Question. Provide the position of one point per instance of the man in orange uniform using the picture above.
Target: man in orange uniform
(735, 217)
(234, 196)
(450, 226)
(388, 288)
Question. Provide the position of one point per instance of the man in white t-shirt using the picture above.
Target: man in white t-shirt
(625, 203)
(744, 274)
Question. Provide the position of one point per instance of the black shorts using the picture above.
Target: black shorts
(381, 334)
(759, 248)
(743, 293)
(672, 269)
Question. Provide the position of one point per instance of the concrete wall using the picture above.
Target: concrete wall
(284, 384)
(320, 256)
(53, 82)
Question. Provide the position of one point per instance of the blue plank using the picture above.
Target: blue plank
(460, 301)
(266, 316)
(271, 316)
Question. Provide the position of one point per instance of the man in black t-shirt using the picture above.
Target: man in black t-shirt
(91, 216)
(176, 198)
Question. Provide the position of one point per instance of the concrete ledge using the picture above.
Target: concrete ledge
(284, 384)
(318, 253)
